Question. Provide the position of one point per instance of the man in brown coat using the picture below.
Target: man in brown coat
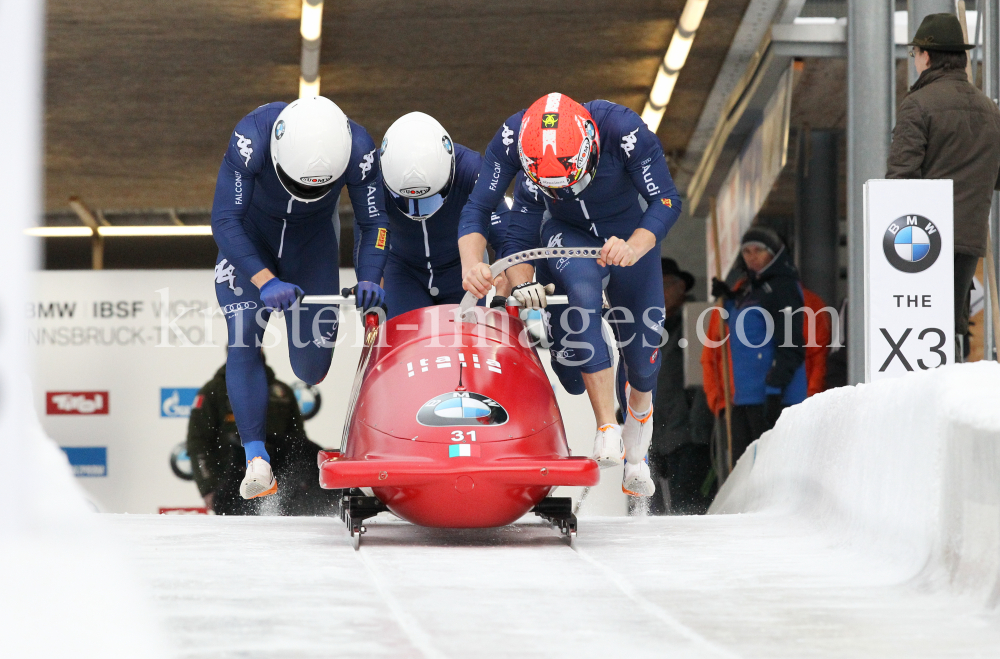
(947, 129)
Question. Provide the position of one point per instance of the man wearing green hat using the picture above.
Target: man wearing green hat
(947, 129)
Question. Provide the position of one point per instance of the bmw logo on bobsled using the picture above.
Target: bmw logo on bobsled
(462, 408)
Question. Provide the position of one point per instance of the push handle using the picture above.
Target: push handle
(469, 301)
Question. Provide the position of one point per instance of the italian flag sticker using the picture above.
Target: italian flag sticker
(463, 451)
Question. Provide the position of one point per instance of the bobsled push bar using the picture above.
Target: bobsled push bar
(469, 301)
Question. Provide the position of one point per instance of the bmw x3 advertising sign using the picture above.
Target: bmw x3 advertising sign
(909, 277)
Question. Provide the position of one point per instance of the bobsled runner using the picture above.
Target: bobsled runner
(453, 423)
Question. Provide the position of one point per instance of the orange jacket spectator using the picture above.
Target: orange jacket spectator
(820, 345)
(711, 366)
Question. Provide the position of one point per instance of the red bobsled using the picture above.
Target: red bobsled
(453, 424)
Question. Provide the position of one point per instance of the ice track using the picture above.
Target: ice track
(717, 586)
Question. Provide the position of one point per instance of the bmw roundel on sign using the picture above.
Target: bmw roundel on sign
(911, 243)
(461, 408)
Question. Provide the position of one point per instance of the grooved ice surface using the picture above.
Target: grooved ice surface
(718, 586)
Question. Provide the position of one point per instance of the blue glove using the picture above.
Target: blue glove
(368, 295)
(278, 295)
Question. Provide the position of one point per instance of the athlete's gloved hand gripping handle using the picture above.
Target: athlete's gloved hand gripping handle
(367, 295)
(278, 295)
(531, 294)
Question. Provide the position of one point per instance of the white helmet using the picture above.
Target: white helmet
(418, 164)
(310, 147)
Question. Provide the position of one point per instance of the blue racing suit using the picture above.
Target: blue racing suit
(258, 225)
(632, 166)
(424, 266)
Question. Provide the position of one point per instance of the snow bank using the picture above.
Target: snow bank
(68, 588)
(66, 591)
(908, 469)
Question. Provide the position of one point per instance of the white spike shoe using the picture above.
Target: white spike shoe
(637, 481)
(608, 447)
(259, 481)
(637, 435)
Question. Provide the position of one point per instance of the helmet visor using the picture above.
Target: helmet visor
(301, 191)
(421, 209)
(418, 209)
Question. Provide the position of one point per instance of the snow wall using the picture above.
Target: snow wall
(66, 592)
(905, 469)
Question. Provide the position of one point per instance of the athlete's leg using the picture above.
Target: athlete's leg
(636, 296)
(578, 340)
(578, 344)
(309, 259)
(570, 376)
(246, 378)
(405, 288)
(601, 391)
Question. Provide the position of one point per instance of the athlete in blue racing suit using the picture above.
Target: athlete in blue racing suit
(424, 267)
(273, 248)
(605, 212)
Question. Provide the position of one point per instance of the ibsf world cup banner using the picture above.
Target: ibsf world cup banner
(909, 277)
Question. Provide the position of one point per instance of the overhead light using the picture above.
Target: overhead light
(155, 230)
(148, 230)
(663, 89)
(677, 53)
(673, 61)
(308, 89)
(312, 20)
(60, 232)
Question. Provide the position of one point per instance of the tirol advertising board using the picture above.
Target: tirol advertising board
(909, 277)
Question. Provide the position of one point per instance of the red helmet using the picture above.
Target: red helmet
(559, 146)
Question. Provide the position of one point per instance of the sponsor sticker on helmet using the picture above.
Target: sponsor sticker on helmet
(381, 151)
(447, 144)
(380, 241)
(315, 180)
(415, 192)
(279, 129)
(550, 120)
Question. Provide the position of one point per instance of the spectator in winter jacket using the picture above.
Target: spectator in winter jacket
(817, 346)
(948, 129)
(767, 370)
